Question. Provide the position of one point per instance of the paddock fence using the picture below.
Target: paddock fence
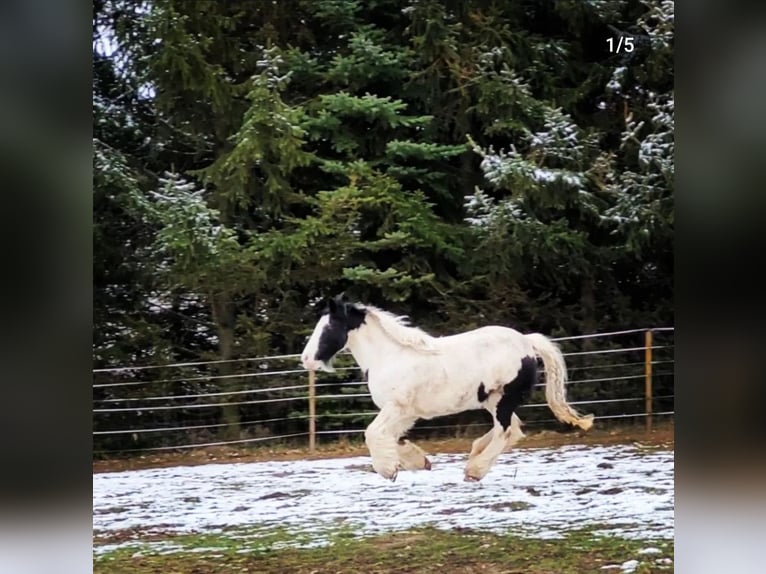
(620, 376)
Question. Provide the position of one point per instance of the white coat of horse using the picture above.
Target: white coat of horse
(412, 375)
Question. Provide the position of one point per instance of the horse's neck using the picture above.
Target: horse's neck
(370, 346)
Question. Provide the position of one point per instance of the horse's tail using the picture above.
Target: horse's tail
(555, 381)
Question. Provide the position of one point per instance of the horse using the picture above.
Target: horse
(413, 375)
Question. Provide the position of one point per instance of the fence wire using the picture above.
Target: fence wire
(197, 409)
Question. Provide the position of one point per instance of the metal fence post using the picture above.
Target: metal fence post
(312, 412)
(648, 371)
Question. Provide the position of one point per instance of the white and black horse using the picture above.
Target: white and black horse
(413, 375)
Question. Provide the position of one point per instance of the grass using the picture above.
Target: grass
(425, 550)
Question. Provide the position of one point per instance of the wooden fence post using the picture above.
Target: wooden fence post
(312, 411)
(648, 371)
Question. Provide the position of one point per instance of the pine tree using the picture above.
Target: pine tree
(462, 162)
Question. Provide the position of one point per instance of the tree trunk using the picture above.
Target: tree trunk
(224, 315)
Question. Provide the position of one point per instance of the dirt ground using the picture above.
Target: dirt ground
(662, 435)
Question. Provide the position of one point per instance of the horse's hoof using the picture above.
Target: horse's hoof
(393, 476)
(469, 478)
(427, 465)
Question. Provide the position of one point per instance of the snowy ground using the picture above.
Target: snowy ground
(540, 492)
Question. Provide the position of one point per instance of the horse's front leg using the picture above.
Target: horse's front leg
(382, 437)
(412, 457)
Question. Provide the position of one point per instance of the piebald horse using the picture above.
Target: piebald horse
(412, 375)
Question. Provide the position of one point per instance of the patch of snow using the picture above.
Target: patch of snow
(534, 492)
(618, 76)
(629, 565)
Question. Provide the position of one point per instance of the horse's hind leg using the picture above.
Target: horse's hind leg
(411, 456)
(514, 434)
(507, 430)
(479, 464)
(496, 441)
(481, 443)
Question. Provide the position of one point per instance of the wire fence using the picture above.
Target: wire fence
(618, 376)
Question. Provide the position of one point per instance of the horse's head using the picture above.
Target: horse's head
(331, 333)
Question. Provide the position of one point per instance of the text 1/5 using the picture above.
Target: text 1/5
(621, 44)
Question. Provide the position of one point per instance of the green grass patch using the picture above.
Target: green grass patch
(424, 550)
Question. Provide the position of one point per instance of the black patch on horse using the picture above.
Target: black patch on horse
(517, 391)
(344, 317)
(481, 394)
